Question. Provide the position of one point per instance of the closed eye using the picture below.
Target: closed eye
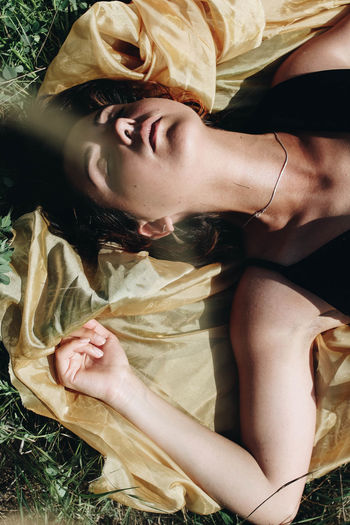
(111, 118)
(104, 163)
(108, 165)
(99, 120)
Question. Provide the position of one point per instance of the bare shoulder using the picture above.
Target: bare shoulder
(329, 50)
(267, 305)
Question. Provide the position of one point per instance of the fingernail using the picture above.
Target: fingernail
(99, 339)
(98, 352)
(84, 340)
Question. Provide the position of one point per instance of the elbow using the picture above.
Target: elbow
(282, 513)
(280, 518)
(291, 514)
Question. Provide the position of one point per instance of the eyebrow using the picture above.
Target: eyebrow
(98, 114)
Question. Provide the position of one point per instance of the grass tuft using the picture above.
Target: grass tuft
(31, 32)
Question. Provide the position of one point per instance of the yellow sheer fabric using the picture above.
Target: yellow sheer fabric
(194, 44)
(170, 317)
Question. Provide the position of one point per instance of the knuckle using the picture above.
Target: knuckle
(91, 324)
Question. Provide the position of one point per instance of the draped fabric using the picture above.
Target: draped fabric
(170, 317)
(228, 40)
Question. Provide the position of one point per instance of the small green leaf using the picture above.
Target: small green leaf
(4, 231)
(62, 5)
(36, 27)
(4, 279)
(5, 222)
(226, 518)
(9, 23)
(5, 257)
(9, 73)
(51, 471)
(26, 40)
(61, 491)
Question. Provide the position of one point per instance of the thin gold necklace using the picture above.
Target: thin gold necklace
(285, 162)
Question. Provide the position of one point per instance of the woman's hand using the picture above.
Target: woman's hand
(92, 361)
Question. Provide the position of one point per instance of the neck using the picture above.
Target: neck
(242, 172)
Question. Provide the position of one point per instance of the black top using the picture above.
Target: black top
(312, 102)
(324, 272)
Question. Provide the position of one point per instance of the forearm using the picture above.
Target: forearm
(91, 360)
(226, 471)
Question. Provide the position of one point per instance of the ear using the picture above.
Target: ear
(156, 229)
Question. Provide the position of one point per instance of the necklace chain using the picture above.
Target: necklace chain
(285, 162)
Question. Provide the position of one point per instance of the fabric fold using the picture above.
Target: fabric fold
(171, 318)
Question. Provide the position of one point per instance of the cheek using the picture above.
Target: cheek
(186, 147)
(151, 196)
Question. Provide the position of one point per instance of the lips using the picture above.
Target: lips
(153, 134)
(148, 132)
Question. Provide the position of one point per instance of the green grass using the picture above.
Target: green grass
(45, 471)
(31, 32)
(44, 468)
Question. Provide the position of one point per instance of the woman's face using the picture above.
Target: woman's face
(143, 157)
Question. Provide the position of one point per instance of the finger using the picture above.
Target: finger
(77, 346)
(101, 330)
(71, 357)
(86, 333)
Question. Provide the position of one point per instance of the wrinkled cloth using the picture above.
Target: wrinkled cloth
(172, 321)
(171, 318)
(229, 40)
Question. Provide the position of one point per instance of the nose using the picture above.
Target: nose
(124, 128)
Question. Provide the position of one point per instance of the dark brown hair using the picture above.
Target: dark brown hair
(41, 182)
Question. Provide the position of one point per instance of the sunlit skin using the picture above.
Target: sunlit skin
(157, 160)
(140, 161)
(273, 322)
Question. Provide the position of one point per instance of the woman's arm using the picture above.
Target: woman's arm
(330, 50)
(277, 404)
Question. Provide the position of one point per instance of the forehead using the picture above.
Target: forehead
(75, 150)
(80, 131)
